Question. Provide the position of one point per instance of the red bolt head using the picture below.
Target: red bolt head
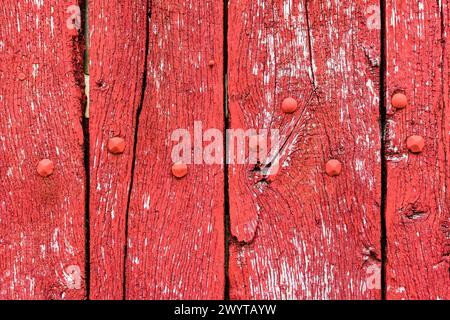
(333, 167)
(211, 63)
(179, 170)
(21, 76)
(415, 144)
(289, 105)
(116, 145)
(399, 101)
(45, 167)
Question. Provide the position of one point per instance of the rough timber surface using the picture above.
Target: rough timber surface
(418, 202)
(300, 234)
(42, 234)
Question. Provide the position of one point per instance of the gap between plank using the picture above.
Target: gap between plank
(382, 104)
(227, 231)
(148, 12)
(84, 37)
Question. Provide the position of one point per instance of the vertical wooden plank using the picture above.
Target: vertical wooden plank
(117, 55)
(175, 245)
(417, 213)
(300, 234)
(42, 236)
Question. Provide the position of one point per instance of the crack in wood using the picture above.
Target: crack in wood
(383, 155)
(137, 118)
(226, 115)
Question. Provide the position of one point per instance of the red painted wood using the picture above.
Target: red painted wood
(298, 234)
(117, 55)
(42, 237)
(176, 226)
(302, 234)
(418, 213)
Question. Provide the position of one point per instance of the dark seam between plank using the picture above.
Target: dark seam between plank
(382, 108)
(227, 231)
(138, 115)
(84, 37)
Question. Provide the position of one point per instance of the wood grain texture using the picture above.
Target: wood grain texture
(300, 234)
(117, 55)
(42, 235)
(418, 213)
(176, 226)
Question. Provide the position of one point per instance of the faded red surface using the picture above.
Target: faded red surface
(418, 212)
(42, 236)
(158, 65)
(117, 55)
(175, 245)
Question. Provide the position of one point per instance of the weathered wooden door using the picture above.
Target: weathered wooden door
(93, 94)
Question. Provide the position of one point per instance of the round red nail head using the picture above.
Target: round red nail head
(399, 101)
(179, 170)
(116, 145)
(415, 144)
(333, 167)
(211, 63)
(21, 76)
(289, 105)
(45, 167)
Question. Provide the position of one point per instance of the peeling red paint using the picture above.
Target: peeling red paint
(176, 227)
(297, 234)
(417, 199)
(294, 232)
(42, 220)
(116, 69)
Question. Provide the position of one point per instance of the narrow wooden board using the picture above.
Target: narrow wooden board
(42, 238)
(116, 69)
(301, 234)
(418, 212)
(175, 247)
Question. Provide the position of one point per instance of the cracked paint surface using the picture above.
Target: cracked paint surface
(301, 234)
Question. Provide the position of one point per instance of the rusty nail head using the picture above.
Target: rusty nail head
(116, 145)
(45, 167)
(179, 169)
(399, 101)
(333, 167)
(415, 144)
(289, 105)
